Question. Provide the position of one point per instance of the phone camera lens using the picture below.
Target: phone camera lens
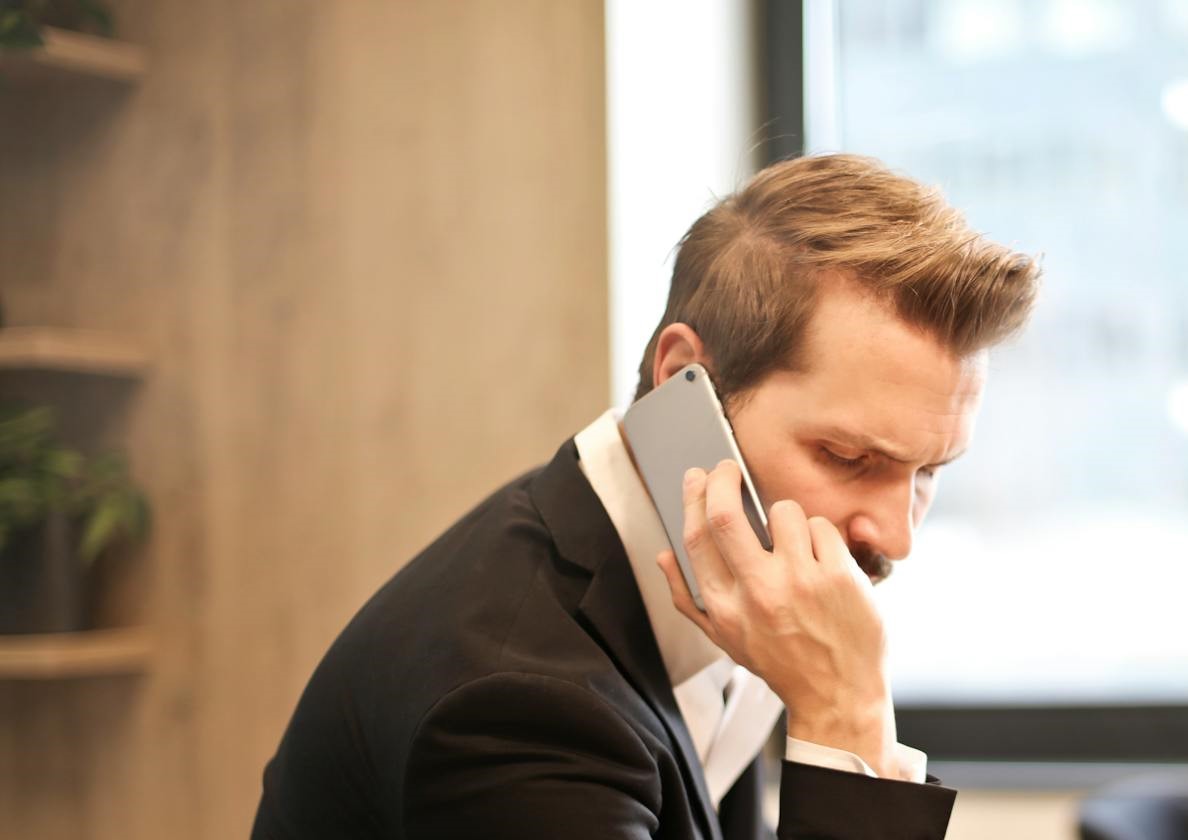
(690, 375)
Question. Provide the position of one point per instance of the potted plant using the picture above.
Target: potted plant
(21, 21)
(59, 510)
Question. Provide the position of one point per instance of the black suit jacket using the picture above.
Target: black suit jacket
(506, 683)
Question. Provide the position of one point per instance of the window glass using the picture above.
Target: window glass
(1054, 566)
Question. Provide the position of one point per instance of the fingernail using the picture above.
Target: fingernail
(690, 476)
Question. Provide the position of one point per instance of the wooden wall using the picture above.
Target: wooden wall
(366, 245)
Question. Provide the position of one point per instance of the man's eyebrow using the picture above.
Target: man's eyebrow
(878, 447)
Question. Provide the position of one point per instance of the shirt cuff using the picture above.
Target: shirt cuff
(913, 764)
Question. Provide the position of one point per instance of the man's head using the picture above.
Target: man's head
(843, 312)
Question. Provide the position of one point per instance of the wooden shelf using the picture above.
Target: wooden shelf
(67, 53)
(71, 350)
(91, 653)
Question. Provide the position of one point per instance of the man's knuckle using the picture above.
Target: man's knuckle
(807, 586)
(714, 590)
(763, 606)
(721, 520)
(841, 580)
(725, 619)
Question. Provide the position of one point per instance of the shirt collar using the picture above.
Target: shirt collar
(606, 464)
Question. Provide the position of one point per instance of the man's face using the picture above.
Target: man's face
(861, 436)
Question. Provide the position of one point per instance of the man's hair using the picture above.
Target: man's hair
(748, 272)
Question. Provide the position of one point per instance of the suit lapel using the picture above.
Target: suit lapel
(612, 605)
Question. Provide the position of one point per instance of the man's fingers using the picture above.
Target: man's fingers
(682, 599)
(708, 567)
(790, 536)
(728, 521)
(827, 544)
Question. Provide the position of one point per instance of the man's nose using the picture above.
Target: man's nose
(884, 523)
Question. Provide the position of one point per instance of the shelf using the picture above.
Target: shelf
(71, 350)
(91, 653)
(67, 53)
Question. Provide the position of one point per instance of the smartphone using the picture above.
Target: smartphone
(678, 426)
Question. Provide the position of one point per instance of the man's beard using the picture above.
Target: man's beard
(876, 566)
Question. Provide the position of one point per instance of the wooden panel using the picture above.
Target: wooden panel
(364, 246)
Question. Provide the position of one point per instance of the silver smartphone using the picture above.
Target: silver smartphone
(678, 426)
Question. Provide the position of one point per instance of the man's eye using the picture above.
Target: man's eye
(838, 460)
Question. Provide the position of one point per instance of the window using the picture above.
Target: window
(1053, 570)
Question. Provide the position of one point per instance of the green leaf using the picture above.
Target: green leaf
(20, 498)
(25, 433)
(101, 527)
(18, 30)
(37, 474)
(143, 521)
(64, 463)
(119, 512)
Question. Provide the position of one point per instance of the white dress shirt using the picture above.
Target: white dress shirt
(728, 710)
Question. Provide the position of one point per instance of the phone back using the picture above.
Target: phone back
(678, 426)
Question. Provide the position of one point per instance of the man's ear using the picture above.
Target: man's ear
(678, 345)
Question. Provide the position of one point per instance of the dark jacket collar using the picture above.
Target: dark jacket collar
(612, 605)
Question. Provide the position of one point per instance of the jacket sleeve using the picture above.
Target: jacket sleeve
(527, 756)
(820, 802)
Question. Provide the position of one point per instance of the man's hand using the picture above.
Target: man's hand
(801, 617)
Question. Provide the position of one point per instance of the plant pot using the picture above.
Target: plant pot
(42, 580)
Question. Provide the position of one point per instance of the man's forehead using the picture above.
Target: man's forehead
(856, 342)
(850, 318)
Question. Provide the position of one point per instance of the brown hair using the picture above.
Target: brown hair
(748, 271)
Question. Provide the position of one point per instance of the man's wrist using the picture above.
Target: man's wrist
(868, 733)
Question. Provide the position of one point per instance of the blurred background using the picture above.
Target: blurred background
(288, 286)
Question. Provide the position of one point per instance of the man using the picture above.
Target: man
(541, 670)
